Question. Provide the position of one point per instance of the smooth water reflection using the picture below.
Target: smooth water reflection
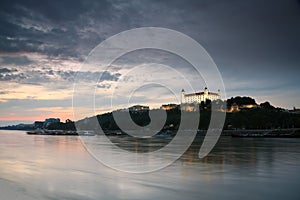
(58, 167)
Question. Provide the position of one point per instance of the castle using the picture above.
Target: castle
(199, 96)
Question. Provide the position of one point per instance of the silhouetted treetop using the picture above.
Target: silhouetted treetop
(241, 101)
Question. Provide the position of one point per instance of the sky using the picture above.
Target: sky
(43, 45)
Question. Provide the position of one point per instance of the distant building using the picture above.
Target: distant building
(199, 96)
(68, 121)
(233, 108)
(295, 110)
(38, 124)
(236, 108)
(49, 121)
(169, 106)
(190, 107)
(138, 108)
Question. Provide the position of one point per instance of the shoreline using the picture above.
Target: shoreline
(243, 133)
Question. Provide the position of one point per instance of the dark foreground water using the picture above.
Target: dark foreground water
(58, 167)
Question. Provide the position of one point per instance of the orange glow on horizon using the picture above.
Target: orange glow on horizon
(62, 116)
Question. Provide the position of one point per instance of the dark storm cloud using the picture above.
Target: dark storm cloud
(56, 11)
(15, 60)
(11, 74)
(107, 76)
(88, 76)
(72, 28)
(5, 70)
(255, 44)
(55, 28)
(38, 77)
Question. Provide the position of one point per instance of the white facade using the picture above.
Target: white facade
(199, 96)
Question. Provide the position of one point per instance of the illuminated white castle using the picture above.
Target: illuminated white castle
(199, 96)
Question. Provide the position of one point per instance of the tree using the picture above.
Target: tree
(267, 105)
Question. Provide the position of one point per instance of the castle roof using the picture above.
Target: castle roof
(201, 93)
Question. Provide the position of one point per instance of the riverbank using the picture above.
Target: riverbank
(52, 132)
(267, 133)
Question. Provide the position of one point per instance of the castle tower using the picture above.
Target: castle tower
(219, 93)
(205, 94)
(182, 96)
(205, 91)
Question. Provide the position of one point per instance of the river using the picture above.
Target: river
(59, 167)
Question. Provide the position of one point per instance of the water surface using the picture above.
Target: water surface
(59, 167)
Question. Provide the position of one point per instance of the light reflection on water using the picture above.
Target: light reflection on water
(58, 167)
